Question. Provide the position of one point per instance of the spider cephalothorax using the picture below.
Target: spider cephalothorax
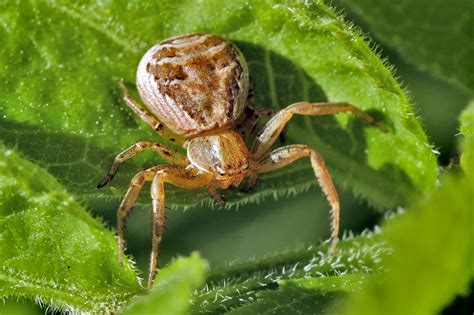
(195, 87)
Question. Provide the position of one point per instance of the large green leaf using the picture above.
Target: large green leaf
(436, 35)
(51, 249)
(61, 106)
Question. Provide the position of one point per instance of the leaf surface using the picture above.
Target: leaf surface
(51, 249)
(61, 106)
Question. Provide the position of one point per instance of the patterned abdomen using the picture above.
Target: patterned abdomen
(194, 83)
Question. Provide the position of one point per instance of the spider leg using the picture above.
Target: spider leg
(283, 156)
(138, 109)
(127, 203)
(267, 136)
(250, 183)
(216, 195)
(251, 116)
(177, 176)
(170, 155)
(146, 116)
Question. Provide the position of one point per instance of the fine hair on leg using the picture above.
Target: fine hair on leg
(158, 217)
(146, 116)
(127, 203)
(283, 156)
(269, 133)
(177, 176)
(169, 154)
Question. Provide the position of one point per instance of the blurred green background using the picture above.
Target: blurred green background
(223, 236)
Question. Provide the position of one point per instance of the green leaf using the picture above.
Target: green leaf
(61, 106)
(467, 130)
(432, 260)
(253, 284)
(51, 249)
(303, 296)
(172, 288)
(19, 307)
(436, 35)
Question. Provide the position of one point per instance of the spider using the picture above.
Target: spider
(196, 91)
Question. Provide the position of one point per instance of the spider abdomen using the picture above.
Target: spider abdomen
(194, 83)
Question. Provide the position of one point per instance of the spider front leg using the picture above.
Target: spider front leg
(288, 154)
(274, 127)
(128, 201)
(170, 155)
(178, 176)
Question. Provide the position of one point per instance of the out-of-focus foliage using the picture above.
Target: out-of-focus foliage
(435, 35)
(467, 130)
(433, 244)
(172, 289)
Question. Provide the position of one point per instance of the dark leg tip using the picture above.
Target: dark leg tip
(248, 186)
(246, 189)
(101, 184)
(104, 181)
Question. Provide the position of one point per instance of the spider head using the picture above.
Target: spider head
(224, 155)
